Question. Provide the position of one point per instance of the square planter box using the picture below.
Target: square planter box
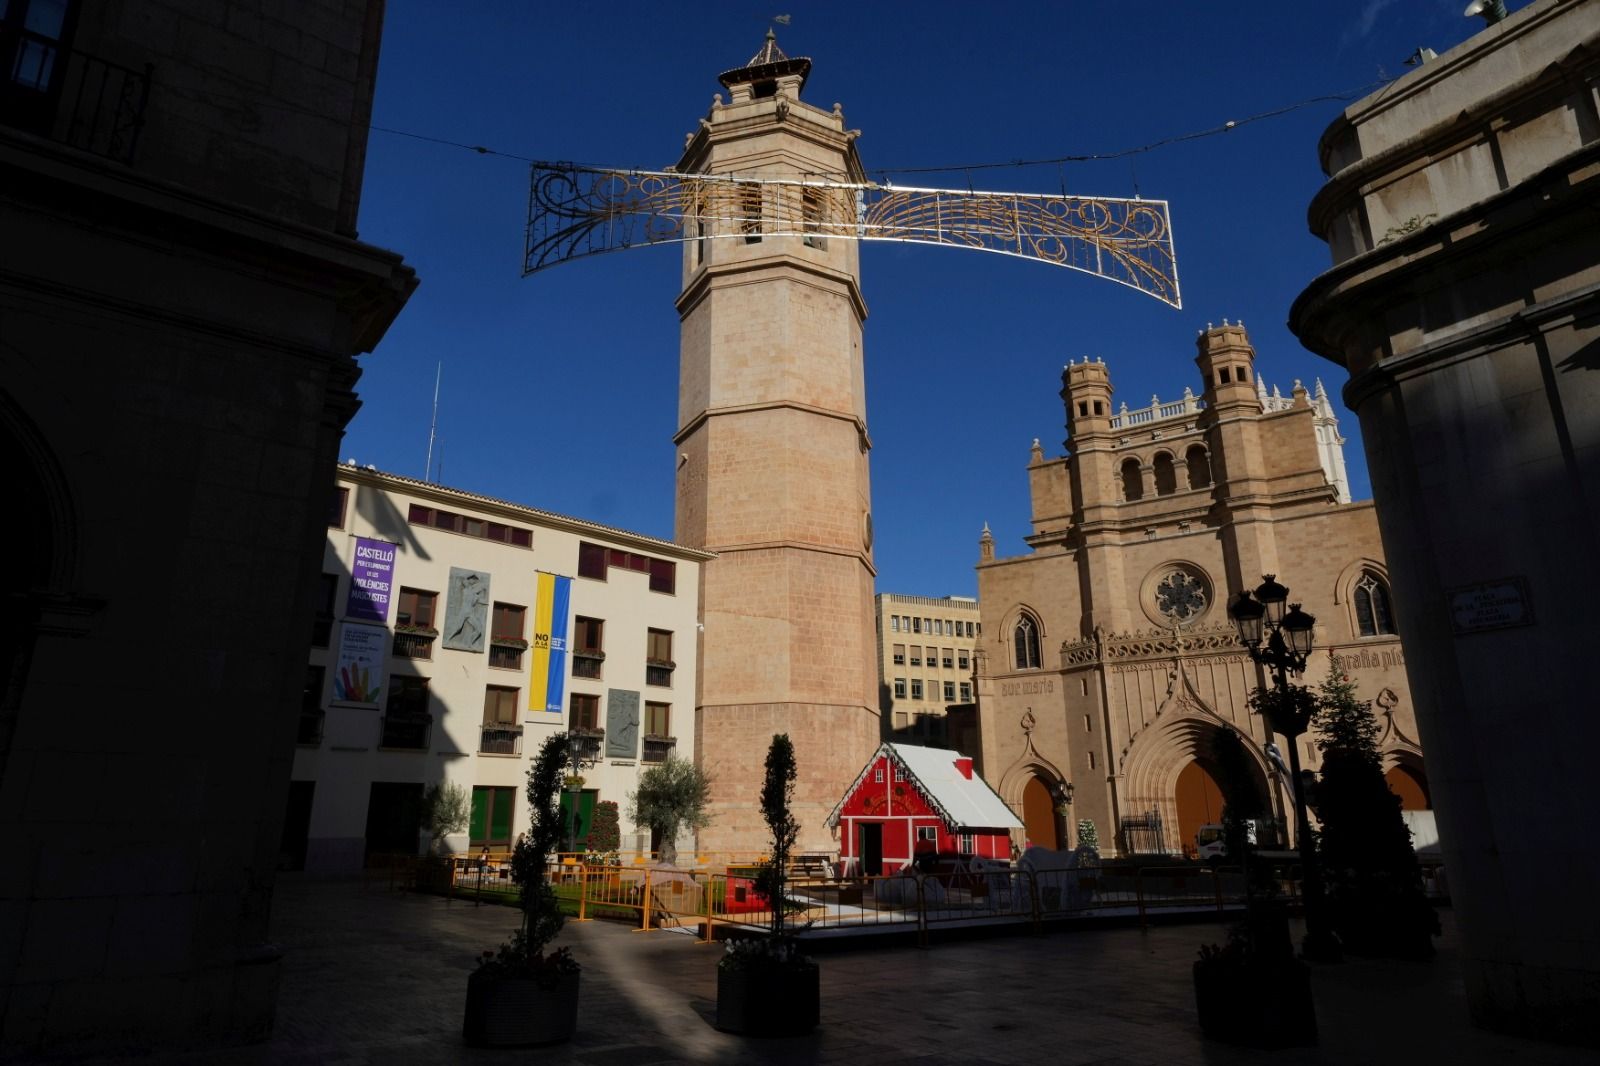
(519, 1011)
(769, 1002)
(1264, 1004)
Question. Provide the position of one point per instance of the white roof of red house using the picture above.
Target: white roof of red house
(963, 802)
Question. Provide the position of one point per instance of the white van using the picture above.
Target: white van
(1211, 841)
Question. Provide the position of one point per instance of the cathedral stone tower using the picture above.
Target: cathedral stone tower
(772, 453)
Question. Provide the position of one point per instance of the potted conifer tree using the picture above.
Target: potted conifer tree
(522, 994)
(766, 986)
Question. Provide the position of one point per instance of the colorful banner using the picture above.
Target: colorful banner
(371, 581)
(358, 678)
(547, 679)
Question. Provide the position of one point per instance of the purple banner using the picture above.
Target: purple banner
(371, 581)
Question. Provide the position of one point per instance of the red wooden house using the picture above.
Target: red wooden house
(910, 800)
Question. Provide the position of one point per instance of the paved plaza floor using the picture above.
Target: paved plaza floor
(372, 975)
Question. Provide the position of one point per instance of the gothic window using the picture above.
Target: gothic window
(1026, 640)
(1199, 464)
(1373, 616)
(1166, 475)
(1132, 480)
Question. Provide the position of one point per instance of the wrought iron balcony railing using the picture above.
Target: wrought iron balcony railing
(414, 645)
(72, 97)
(658, 749)
(408, 731)
(501, 738)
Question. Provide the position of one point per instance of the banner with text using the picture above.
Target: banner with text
(548, 672)
(371, 581)
(363, 650)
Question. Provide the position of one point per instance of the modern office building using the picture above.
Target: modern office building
(454, 633)
(924, 662)
(1107, 660)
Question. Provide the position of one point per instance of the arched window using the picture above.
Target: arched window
(1132, 480)
(1166, 475)
(1373, 616)
(1199, 464)
(1026, 640)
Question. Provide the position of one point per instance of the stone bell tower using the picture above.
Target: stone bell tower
(772, 452)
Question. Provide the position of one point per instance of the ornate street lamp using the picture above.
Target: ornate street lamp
(1289, 638)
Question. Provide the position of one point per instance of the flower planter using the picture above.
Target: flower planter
(1265, 1004)
(769, 1001)
(520, 1011)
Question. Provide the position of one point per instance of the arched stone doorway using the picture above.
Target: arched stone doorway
(1043, 825)
(1199, 803)
(1411, 786)
(1172, 775)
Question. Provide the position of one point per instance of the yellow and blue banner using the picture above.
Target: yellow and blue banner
(548, 671)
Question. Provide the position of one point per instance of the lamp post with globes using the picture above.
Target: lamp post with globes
(1285, 650)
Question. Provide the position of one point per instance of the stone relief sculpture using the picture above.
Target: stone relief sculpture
(622, 724)
(466, 610)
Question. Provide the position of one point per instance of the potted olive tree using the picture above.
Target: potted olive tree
(523, 994)
(765, 985)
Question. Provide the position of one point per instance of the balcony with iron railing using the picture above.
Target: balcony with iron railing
(407, 731)
(587, 663)
(500, 738)
(71, 97)
(415, 643)
(658, 748)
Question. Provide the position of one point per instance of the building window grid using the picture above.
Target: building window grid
(1373, 615)
(658, 658)
(1026, 638)
(507, 624)
(468, 526)
(596, 560)
(588, 647)
(583, 712)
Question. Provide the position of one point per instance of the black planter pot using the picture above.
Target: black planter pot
(1263, 1003)
(776, 1001)
(519, 1011)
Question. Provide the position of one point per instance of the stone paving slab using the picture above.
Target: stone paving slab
(377, 976)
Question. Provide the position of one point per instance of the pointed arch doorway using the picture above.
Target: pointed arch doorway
(1199, 803)
(1043, 825)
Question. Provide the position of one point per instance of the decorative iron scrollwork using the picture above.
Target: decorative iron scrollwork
(578, 211)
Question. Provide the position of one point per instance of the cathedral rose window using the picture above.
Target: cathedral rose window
(1181, 596)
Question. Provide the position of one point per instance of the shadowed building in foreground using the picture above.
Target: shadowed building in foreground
(181, 300)
(1463, 212)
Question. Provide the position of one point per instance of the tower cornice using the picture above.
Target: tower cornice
(791, 267)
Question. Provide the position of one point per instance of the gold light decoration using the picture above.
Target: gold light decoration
(580, 211)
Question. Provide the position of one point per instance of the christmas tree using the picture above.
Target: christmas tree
(1375, 898)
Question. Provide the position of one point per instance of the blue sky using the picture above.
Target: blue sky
(559, 389)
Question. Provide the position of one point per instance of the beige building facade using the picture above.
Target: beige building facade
(440, 677)
(1107, 661)
(925, 647)
(772, 471)
(1464, 299)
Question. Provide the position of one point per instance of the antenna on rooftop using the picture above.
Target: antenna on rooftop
(433, 426)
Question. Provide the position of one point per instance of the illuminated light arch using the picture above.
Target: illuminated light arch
(574, 212)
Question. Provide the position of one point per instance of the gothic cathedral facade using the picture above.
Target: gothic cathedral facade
(1107, 660)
